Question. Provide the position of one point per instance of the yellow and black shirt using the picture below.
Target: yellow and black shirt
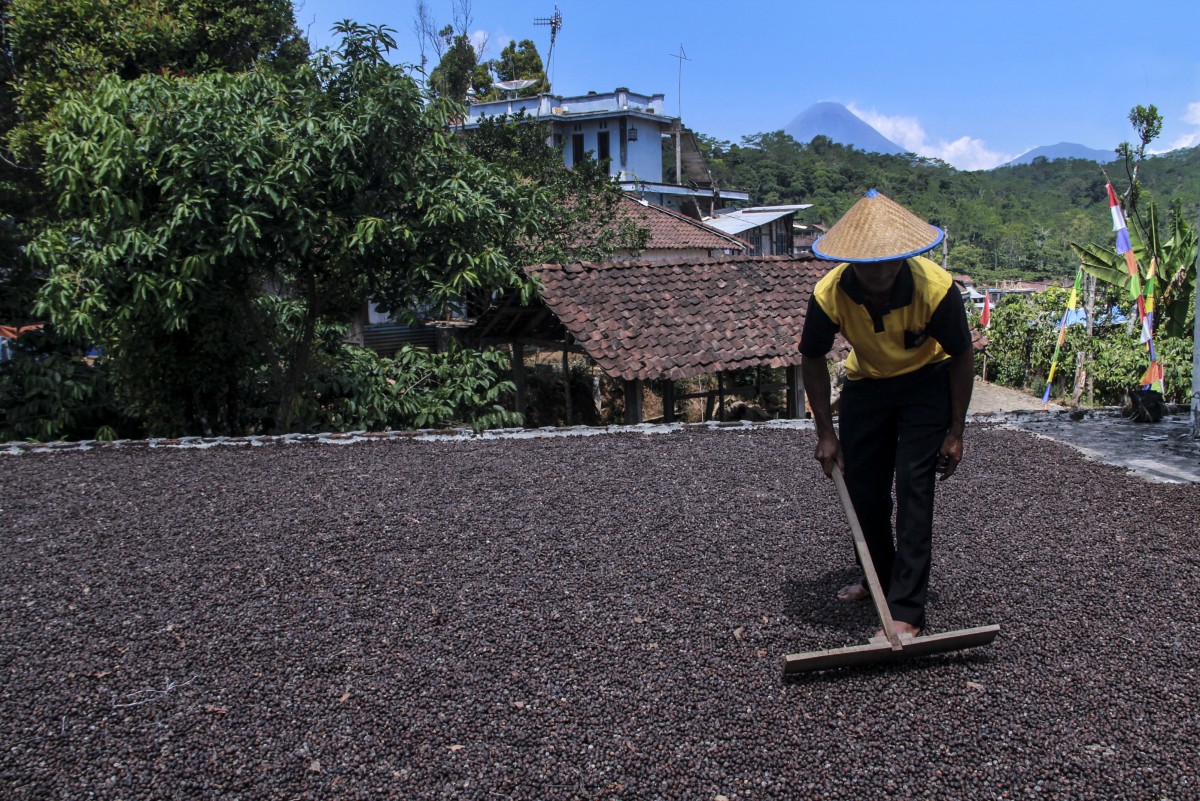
(924, 322)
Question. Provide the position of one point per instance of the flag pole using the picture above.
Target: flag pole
(1062, 336)
(1196, 350)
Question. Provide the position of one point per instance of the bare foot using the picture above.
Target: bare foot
(852, 592)
(904, 630)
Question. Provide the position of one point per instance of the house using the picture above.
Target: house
(674, 235)
(803, 237)
(768, 229)
(625, 129)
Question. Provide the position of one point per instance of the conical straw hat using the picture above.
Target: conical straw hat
(877, 228)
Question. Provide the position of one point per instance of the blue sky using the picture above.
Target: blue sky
(974, 82)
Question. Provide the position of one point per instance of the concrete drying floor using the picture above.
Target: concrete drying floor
(1160, 452)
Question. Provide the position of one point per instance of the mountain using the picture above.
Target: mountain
(839, 124)
(1063, 150)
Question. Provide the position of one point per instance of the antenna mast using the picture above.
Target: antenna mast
(555, 23)
(682, 56)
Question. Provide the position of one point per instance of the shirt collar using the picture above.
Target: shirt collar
(902, 291)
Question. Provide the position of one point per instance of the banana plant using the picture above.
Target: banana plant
(1175, 269)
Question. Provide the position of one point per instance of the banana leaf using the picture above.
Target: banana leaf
(1175, 261)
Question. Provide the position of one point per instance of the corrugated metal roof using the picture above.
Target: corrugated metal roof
(735, 222)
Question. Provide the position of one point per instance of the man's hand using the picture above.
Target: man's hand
(949, 455)
(829, 453)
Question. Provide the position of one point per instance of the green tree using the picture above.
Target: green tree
(1169, 250)
(1173, 254)
(212, 226)
(458, 70)
(520, 61)
(559, 215)
(54, 46)
(50, 47)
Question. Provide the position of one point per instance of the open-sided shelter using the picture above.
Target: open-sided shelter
(645, 321)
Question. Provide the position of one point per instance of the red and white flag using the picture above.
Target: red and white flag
(985, 318)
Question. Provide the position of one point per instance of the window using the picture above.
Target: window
(577, 151)
(602, 151)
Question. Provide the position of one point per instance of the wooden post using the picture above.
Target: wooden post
(721, 393)
(795, 393)
(518, 373)
(633, 402)
(668, 400)
(567, 384)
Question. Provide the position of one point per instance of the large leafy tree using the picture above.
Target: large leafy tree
(577, 210)
(518, 61)
(51, 47)
(212, 226)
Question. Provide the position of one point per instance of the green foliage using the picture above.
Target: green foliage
(57, 46)
(53, 47)
(517, 61)
(48, 391)
(1175, 265)
(185, 201)
(458, 69)
(1024, 333)
(415, 389)
(215, 233)
(1007, 223)
(1016, 348)
(558, 215)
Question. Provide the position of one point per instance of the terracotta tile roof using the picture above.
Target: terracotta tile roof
(646, 320)
(979, 339)
(670, 230)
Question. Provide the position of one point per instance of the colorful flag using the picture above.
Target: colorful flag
(1123, 244)
(1144, 295)
(1152, 376)
(985, 319)
(1062, 334)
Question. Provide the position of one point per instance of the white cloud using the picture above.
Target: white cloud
(1191, 138)
(965, 153)
(481, 42)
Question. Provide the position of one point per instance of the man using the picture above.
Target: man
(909, 376)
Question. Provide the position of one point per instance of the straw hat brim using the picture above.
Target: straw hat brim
(877, 228)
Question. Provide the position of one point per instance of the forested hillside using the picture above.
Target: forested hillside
(1007, 223)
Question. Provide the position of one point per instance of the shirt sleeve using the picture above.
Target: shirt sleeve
(949, 324)
(817, 338)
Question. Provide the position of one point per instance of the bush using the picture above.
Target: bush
(1024, 334)
(50, 391)
(357, 389)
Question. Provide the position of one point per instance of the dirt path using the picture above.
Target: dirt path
(988, 398)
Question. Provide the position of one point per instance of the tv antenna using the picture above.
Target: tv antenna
(555, 24)
(682, 56)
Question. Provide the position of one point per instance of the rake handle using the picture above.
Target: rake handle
(868, 566)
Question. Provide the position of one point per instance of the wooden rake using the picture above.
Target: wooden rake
(892, 646)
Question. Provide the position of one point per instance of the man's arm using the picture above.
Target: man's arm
(949, 327)
(815, 373)
(962, 381)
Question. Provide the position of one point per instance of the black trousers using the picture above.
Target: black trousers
(891, 430)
